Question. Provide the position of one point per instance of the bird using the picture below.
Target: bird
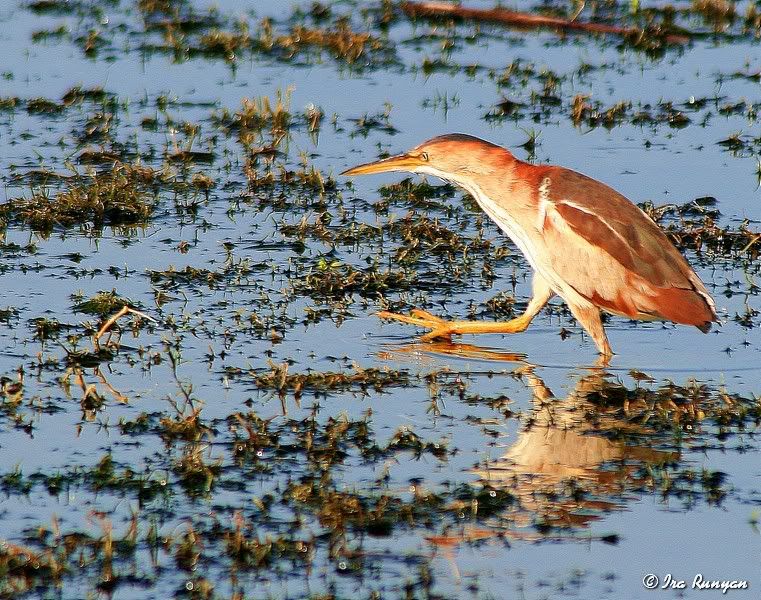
(585, 242)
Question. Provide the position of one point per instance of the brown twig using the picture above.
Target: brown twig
(114, 392)
(87, 389)
(520, 19)
(753, 241)
(118, 315)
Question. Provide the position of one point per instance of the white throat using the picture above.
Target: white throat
(499, 215)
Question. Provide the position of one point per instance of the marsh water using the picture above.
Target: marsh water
(252, 429)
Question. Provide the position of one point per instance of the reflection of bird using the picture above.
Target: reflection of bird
(574, 457)
(586, 242)
(448, 348)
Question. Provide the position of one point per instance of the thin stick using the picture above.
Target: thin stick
(753, 241)
(520, 19)
(118, 315)
(114, 392)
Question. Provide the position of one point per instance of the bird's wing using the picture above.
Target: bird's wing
(612, 253)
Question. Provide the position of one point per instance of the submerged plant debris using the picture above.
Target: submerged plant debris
(197, 399)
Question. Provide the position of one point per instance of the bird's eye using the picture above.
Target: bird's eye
(424, 156)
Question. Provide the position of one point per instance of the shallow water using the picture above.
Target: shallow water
(532, 473)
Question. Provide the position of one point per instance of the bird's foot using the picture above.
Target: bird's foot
(440, 328)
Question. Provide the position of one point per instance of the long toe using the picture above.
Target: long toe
(426, 316)
(384, 314)
(420, 318)
(438, 333)
(440, 328)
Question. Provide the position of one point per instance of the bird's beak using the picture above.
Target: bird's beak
(400, 162)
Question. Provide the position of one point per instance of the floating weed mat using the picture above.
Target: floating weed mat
(279, 380)
(186, 32)
(696, 226)
(242, 272)
(74, 96)
(124, 195)
(102, 304)
(339, 41)
(285, 189)
(335, 280)
(56, 7)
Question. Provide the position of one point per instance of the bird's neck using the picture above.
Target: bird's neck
(514, 184)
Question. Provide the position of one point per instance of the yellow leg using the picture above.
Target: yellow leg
(589, 318)
(442, 328)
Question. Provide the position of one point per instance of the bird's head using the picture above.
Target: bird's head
(454, 157)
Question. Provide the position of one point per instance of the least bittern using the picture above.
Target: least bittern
(586, 242)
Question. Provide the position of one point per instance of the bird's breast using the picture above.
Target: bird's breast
(522, 229)
(508, 224)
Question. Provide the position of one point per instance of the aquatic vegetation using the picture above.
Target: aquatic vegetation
(43, 106)
(58, 7)
(226, 44)
(378, 122)
(341, 41)
(79, 94)
(102, 304)
(255, 116)
(8, 103)
(197, 398)
(278, 379)
(507, 501)
(120, 196)
(695, 225)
